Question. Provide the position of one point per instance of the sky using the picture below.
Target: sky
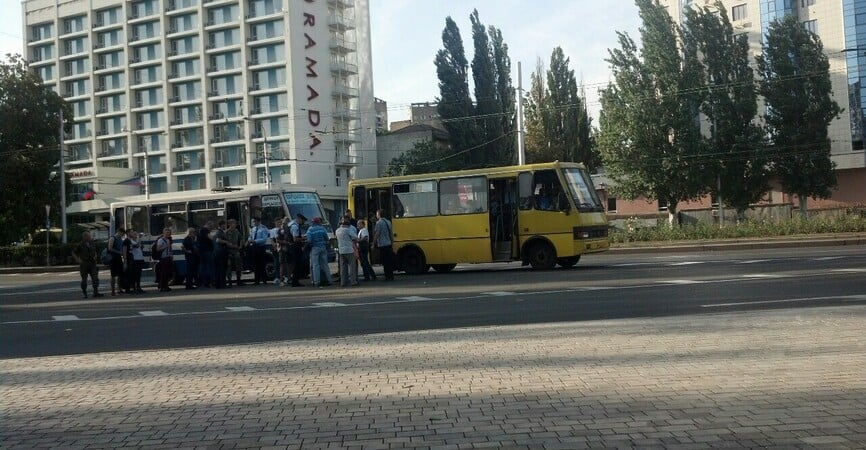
(406, 34)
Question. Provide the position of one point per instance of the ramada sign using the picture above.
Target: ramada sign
(314, 116)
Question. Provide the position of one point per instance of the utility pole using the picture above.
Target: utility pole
(62, 182)
(521, 152)
(47, 234)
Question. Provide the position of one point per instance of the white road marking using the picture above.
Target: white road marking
(754, 261)
(65, 318)
(415, 298)
(499, 293)
(240, 308)
(763, 275)
(633, 264)
(153, 313)
(788, 300)
(593, 288)
(681, 282)
(849, 270)
(827, 258)
(686, 263)
(328, 304)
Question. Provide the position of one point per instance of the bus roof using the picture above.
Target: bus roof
(184, 196)
(470, 172)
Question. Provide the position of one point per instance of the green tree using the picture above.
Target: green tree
(649, 140)
(28, 149)
(739, 159)
(536, 99)
(487, 107)
(796, 87)
(505, 95)
(425, 157)
(455, 103)
(558, 124)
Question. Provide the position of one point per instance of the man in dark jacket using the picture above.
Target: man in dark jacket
(88, 264)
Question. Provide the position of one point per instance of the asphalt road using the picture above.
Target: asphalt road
(43, 314)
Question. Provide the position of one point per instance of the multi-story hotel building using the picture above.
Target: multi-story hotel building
(841, 25)
(208, 93)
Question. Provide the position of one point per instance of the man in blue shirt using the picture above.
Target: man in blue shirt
(317, 237)
(383, 236)
(258, 243)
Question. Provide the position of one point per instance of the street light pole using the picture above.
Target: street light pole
(267, 160)
(146, 164)
(62, 183)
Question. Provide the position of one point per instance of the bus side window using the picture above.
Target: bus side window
(525, 191)
(119, 218)
(360, 197)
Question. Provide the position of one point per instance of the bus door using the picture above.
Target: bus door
(503, 218)
(377, 198)
(240, 211)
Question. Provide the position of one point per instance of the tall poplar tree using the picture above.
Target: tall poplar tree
(506, 97)
(455, 103)
(796, 87)
(488, 109)
(649, 140)
(738, 157)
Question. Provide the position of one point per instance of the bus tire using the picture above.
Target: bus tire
(444, 268)
(412, 261)
(568, 263)
(542, 256)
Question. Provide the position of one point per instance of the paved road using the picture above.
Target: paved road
(42, 314)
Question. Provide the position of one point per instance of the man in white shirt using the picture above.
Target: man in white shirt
(347, 238)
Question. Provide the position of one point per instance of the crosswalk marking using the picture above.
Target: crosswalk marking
(855, 270)
(240, 308)
(763, 275)
(329, 304)
(827, 258)
(153, 313)
(414, 298)
(754, 261)
(499, 293)
(65, 318)
(686, 263)
(681, 281)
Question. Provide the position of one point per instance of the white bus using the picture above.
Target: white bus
(181, 210)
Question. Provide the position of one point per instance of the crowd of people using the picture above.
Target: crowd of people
(214, 254)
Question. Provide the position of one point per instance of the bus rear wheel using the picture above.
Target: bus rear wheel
(542, 256)
(568, 263)
(444, 268)
(413, 262)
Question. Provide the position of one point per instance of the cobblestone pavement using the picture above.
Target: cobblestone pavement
(783, 378)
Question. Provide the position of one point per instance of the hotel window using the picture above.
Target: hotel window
(111, 103)
(269, 79)
(811, 26)
(269, 103)
(112, 59)
(224, 38)
(81, 108)
(145, 31)
(739, 12)
(269, 54)
(186, 68)
(73, 46)
(266, 30)
(226, 85)
(145, 8)
(187, 91)
(46, 72)
(73, 24)
(39, 32)
(146, 52)
(225, 61)
(107, 17)
(108, 82)
(184, 45)
(184, 23)
(225, 14)
(148, 74)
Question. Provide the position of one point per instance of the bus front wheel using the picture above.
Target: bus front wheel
(542, 256)
(444, 268)
(568, 263)
(413, 262)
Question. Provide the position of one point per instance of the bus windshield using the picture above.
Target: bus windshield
(582, 190)
(306, 203)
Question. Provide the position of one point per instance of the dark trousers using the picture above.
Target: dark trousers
(386, 252)
(133, 274)
(164, 272)
(205, 268)
(300, 263)
(364, 253)
(192, 278)
(221, 264)
(91, 270)
(259, 263)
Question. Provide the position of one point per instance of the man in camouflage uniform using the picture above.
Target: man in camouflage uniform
(88, 263)
(235, 263)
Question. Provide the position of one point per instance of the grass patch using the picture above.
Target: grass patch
(750, 229)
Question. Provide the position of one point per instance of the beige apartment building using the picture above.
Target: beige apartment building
(841, 25)
(206, 94)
